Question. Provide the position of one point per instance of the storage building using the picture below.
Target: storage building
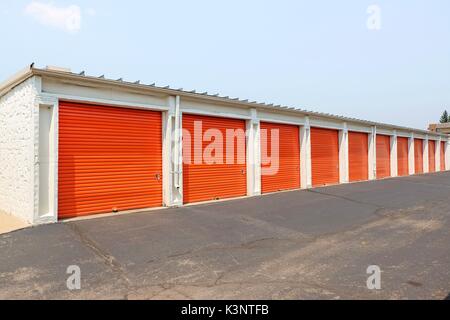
(73, 145)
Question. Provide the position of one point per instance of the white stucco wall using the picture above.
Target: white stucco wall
(17, 151)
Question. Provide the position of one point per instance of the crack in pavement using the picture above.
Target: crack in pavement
(244, 245)
(109, 260)
(301, 238)
(250, 245)
(348, 199)
(272, 257)
(304, 284)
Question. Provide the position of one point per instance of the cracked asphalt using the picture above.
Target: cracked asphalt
(314, 244)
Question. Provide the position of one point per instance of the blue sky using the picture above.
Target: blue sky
(317, 55)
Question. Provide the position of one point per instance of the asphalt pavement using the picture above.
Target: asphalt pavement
(308, 244)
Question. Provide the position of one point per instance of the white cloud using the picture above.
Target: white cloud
(67, 18)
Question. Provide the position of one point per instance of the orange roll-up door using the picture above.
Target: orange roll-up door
(324, 156)
(418, 156)
(208, 174)
(443, 168)
(432, 155)
(358, 152)
(402, 156)
(282, 173)
(110, 159)
(383, 156)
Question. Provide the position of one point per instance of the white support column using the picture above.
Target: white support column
(447, 155)
(172, 154)
(426, 166)
(46, 153)
(394, 155)
(253, 155)
(373, 154)
(300, 136)
(343, 155)
(305, 155)
(167, 152)
(411, 152)
(437, 154)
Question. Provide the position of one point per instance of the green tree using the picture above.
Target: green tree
(445, 118)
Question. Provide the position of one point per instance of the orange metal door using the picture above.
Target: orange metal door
(324, 156)
(358, 152)
(383, 156)
(402, 156)
(443, 168)
(418, 156)
(432, 155)
(280, 170)
(208, 173)
(110, 159)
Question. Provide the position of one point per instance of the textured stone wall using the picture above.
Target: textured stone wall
(17, 151)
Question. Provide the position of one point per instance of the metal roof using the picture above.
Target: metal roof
(82, 76)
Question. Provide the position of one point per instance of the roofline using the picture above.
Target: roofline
(16, 79)
(30, 71)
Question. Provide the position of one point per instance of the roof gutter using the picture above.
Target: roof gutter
(187, 94)
(137, 86)
(215, 98)
(16, 79)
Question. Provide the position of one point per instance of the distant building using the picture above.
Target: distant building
(440, 127)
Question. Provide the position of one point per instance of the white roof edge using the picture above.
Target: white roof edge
(31, 70)
(16, 79)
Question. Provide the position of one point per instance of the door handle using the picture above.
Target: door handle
(158, 176)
